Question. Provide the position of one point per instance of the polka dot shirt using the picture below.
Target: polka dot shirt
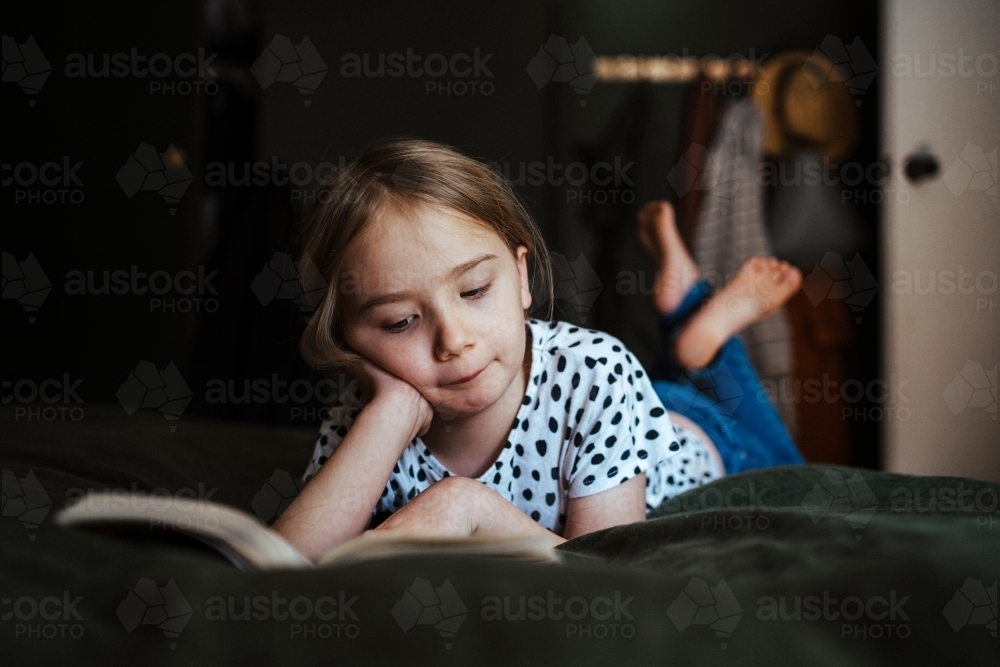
(589, 421)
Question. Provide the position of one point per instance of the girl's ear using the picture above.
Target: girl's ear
(522, 271)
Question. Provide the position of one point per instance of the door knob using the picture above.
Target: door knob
(920, 167)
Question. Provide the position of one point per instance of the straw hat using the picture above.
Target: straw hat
(806, 104)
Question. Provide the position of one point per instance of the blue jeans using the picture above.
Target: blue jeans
(725, 398)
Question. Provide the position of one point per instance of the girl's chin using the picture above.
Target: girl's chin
(464, 402)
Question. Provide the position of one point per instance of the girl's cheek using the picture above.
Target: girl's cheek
(404, 361)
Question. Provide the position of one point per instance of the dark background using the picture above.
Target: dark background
(235, 230)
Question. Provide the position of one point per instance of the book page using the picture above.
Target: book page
(234, 533)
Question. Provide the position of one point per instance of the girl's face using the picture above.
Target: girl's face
(435, 299)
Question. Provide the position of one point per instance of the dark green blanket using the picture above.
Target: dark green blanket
(795, 565)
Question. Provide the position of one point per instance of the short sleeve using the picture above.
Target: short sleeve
(624, 431)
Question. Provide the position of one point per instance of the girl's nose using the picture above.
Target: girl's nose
(454, 336)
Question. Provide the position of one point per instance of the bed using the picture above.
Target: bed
(795, 565)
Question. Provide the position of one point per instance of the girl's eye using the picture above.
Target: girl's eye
(479, 292)
(400, 325)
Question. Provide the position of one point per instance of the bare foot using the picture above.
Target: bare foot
(658, 234)
(760, 287)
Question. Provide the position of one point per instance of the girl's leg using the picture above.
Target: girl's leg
(696, 323)
(742, 398)
(738, 446)
(709, 377)
(672, 324)
(757, 290)
(679, 291)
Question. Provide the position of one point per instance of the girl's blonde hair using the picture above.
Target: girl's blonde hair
(404, 174)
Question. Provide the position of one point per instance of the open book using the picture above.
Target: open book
(250, 545)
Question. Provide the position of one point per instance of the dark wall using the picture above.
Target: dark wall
(97, 122)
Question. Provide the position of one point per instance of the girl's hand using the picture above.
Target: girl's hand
(376, 383)
(462, 507)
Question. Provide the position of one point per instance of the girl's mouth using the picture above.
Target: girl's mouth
(466, 379)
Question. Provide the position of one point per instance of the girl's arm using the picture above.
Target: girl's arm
(462, 507)
(625, 503)
(336, 505)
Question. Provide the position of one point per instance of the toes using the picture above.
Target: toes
(795, 276)
(789, 277)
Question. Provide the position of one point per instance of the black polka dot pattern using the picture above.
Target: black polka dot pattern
(598, 424)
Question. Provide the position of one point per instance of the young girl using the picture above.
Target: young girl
(469, 417)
